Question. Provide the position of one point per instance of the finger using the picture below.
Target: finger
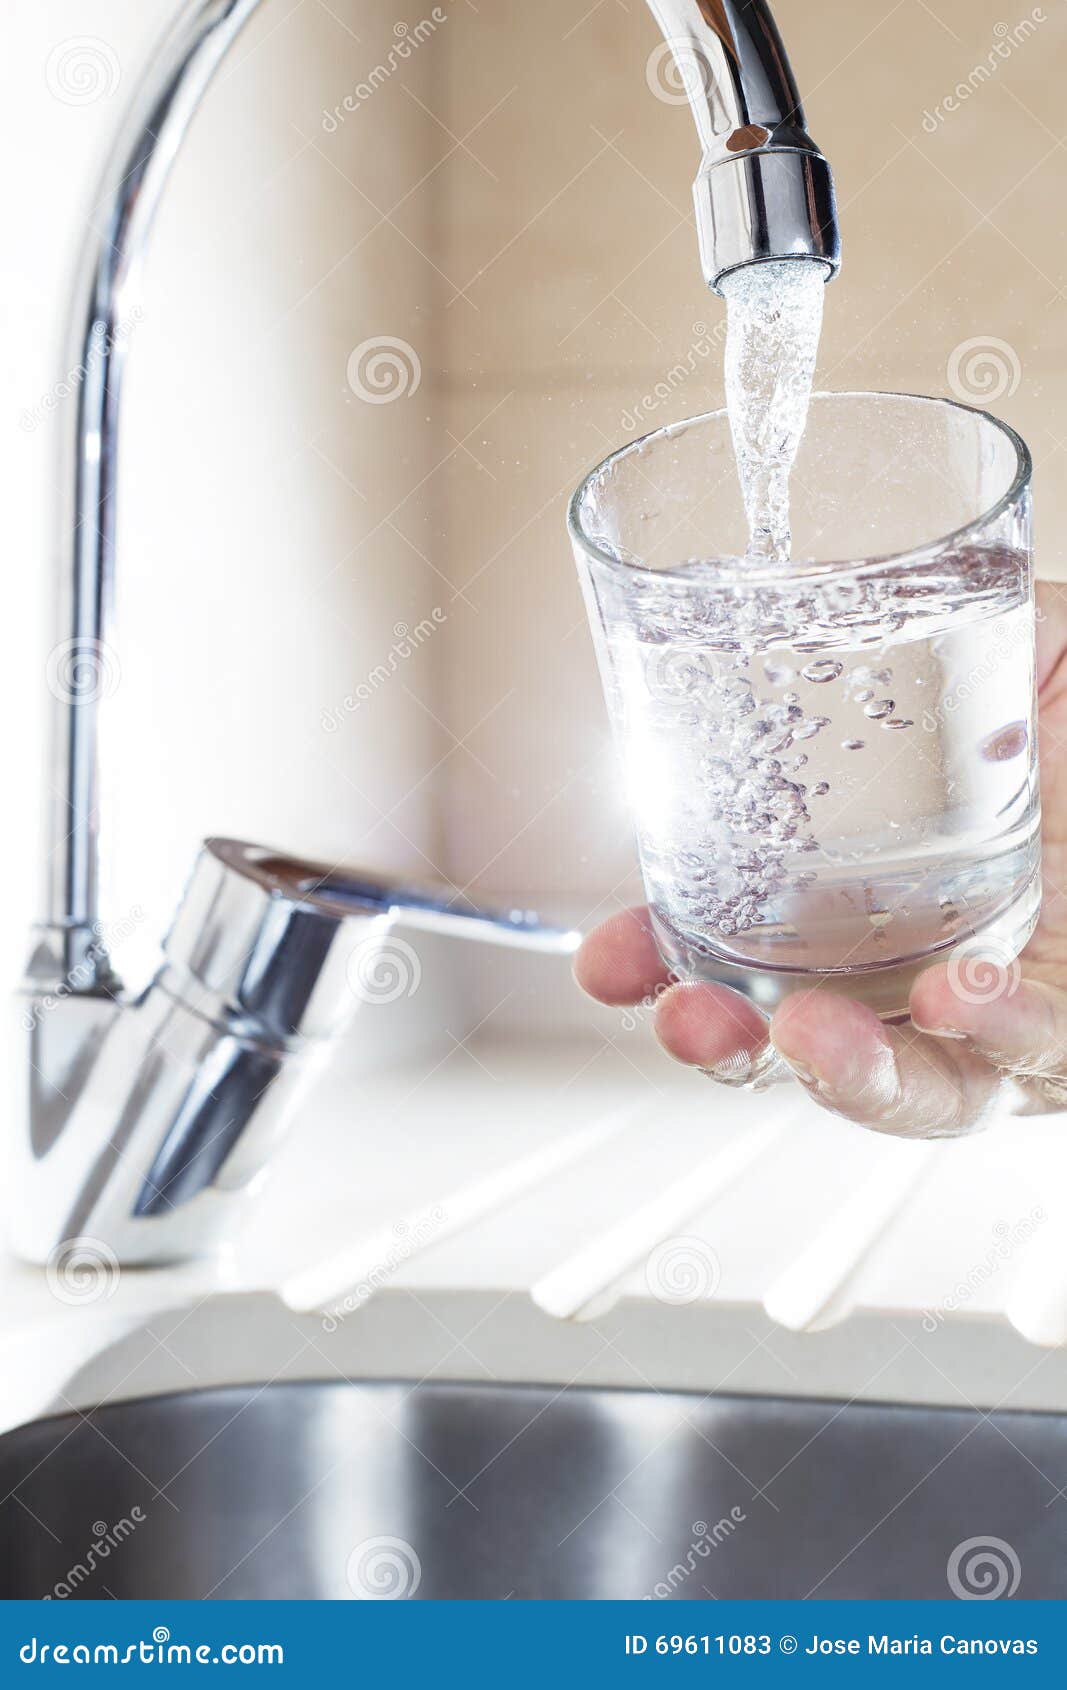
(1051, 630)
(894, 1080)
(712, 1028)
(618, 962)
(1020, 1026)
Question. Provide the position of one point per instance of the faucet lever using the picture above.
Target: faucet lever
(267, 958)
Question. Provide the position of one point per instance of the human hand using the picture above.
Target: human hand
(938, 1074)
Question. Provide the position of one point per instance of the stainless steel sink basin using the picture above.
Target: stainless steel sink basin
(331, 1490)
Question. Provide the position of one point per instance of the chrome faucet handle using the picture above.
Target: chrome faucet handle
(149, 1116)
(267, 942)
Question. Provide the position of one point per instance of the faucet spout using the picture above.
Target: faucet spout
(764, 190)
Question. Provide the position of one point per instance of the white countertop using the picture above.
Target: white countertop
(486, 1191)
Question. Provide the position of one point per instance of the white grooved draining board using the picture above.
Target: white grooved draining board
(810, 1216)
(702, 1238)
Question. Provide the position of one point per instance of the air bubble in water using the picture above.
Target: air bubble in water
(853, 744)
(808, 729)
(878, 708)
(827, 669)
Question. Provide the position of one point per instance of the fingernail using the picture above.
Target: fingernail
(804, 1075)
(939, 1032)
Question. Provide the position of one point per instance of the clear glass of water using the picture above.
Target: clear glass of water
(831, 763)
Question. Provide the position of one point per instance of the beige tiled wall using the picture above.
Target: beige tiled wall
(571, 287)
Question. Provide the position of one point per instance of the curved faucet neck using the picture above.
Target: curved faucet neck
(764, 191)
(105, 308)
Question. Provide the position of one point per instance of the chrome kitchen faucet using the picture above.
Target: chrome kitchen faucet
(145, 1116)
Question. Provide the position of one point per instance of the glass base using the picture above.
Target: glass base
(884, 987)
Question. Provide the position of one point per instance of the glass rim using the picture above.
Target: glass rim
(737, 568)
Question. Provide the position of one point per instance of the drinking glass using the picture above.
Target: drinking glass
(831, 763)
